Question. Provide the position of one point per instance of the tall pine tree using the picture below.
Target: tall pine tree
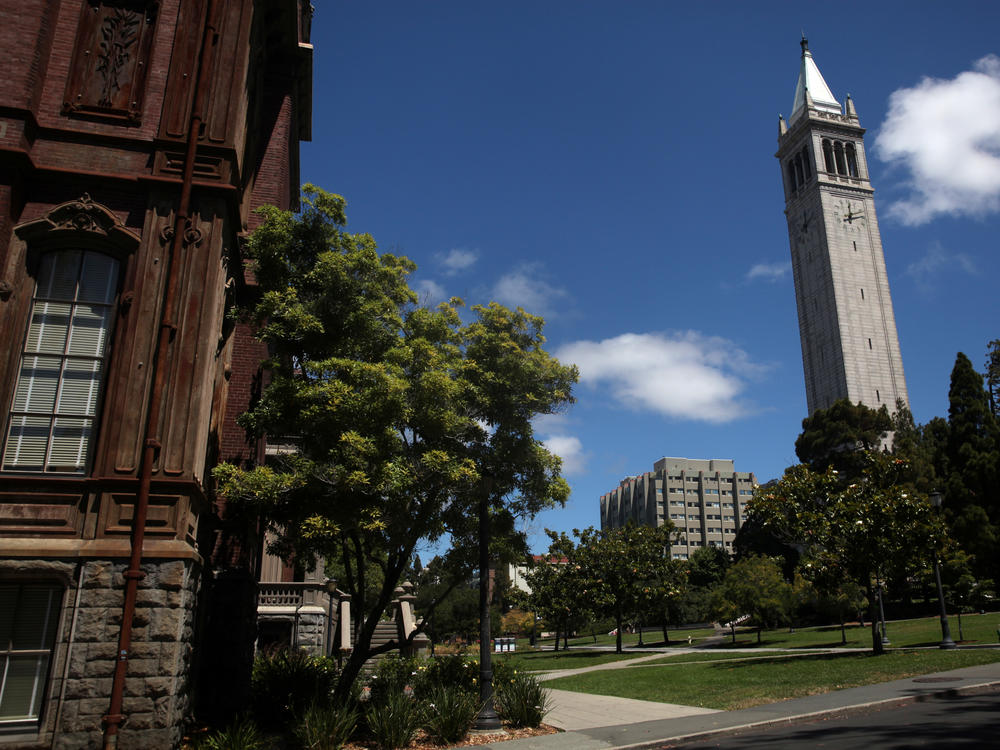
(973, 455)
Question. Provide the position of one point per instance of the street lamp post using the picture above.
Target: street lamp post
(946, 641)
(881, 612)
(487, 718)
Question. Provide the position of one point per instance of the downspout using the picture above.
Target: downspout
(167, 329)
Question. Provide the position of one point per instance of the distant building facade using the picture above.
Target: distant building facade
(704, 498)
(850, 348)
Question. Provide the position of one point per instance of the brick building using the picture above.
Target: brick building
(136, 139)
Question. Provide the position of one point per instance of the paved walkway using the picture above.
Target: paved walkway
(594, 722)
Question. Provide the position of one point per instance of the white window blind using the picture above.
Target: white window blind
(62, 367)
(29, 616)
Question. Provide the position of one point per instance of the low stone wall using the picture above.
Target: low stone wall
(157, 690)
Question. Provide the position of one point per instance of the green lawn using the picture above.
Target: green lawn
(731, 685)
(650, 638)
(925, 631)
(719, 655)
(545, 660)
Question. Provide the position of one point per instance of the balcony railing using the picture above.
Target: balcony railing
(295, 594)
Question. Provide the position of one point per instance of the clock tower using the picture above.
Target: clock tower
(850, 348)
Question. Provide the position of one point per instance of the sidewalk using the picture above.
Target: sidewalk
(638, 724)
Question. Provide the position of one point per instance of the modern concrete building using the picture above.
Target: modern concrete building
(704, 498)
(846, 325)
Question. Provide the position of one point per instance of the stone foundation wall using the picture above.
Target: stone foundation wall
(157, 689)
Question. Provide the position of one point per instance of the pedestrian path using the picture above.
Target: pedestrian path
(575, 711)
(585, 717)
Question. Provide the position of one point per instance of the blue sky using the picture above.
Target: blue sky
(610, 166)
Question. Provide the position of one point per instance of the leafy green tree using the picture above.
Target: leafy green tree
(871, 527)
(962, 589)
(841, 599)
(627, 567)
(917, 446)
(972, 493)
(707, 566)
(754, 587)
(406, 420)
(834, 436)
(560, 592)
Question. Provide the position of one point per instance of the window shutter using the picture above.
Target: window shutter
(62, 366)
(27, 635)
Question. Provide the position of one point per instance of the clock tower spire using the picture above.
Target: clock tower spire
(850, 348)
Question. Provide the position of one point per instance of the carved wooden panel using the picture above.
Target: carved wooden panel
(34, 514)
(111, 60)
(167, 515)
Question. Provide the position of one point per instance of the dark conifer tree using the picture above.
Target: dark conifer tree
(972, 493)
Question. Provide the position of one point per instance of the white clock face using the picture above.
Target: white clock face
(850, 213)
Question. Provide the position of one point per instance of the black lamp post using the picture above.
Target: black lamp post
(881, 612)
(946, 641)
(487, 718)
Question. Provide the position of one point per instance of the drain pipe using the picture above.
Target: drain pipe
(167, 330)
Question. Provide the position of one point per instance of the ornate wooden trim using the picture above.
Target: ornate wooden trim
(110, 60)
(72, 221)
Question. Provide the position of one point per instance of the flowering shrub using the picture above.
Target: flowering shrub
(286, 682)
(449, 713)
(520, 700)
(326, 727)
(242, 734)
(393, 720)
(394, 674)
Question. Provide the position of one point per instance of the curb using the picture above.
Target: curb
(842, 711)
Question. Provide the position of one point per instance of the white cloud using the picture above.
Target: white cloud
(525, 288)
(770, 272)
(937, 260)
(946, 134)
(570, 450)
(429, 292)
(684, 375)
(457, 260)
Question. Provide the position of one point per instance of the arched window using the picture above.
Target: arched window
(805, 162)
(838, 152)
(800, 178)
(792, 184)
(852, 161)
(828, 156)
(74, 255)
(62, 363)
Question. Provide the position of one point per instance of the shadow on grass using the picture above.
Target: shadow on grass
(759, 661)
(546, 655)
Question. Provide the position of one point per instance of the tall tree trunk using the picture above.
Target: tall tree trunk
(843, 631)
(666, 634)
(877, 648)
(618, 634)
(759, 628)
(555, 646)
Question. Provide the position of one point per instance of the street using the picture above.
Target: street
(938, 722)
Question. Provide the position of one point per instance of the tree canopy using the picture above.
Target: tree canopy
(833, 436)
(866, 530)
(404, 418)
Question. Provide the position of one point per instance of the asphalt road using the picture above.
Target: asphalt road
(940, 722)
